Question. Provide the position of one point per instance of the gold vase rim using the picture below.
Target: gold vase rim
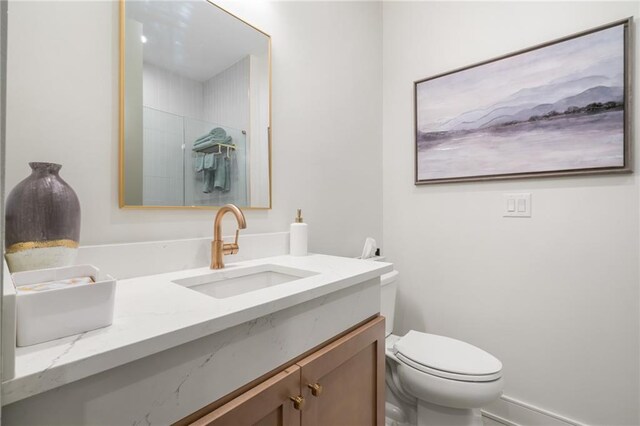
(29, 245)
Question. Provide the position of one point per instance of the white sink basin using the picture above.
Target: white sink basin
(233, 282)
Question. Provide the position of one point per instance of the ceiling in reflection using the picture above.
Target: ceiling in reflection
(198, 45)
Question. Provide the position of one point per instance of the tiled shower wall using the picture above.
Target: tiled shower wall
(162, 160)
(170, 92)
(167, 97)
(226, 96)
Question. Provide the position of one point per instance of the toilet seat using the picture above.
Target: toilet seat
(447, 358)
(446, 374)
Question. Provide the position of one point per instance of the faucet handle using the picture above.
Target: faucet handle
(232, 248)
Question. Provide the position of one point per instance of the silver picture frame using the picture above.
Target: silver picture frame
(471, 125)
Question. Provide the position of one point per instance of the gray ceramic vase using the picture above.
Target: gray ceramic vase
(42, 221)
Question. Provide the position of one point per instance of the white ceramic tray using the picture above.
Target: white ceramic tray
(58, 312)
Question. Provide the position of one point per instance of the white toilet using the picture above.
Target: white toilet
(434, 380)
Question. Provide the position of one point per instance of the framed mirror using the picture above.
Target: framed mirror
(195, 107)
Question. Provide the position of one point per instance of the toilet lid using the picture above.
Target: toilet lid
(447, 357)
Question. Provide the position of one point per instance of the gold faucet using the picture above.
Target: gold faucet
(218, 247)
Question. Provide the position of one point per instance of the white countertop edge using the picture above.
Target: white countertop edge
(61, 371)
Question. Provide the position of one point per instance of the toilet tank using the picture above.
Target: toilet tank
(389, 287)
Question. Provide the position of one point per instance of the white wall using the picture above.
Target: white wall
(63, 107)
(555, 297)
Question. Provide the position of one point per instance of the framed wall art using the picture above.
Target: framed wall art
(561, 108)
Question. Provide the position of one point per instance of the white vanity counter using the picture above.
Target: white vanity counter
(153, 314)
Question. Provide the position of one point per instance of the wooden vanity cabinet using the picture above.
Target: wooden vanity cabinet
(341, 383)
(349, 373)
(267, 404)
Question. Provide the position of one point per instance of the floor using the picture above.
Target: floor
(485, 420)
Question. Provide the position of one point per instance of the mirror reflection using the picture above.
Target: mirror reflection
(196, 107)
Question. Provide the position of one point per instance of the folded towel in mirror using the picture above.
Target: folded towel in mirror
(227, 181)
(199, 162)
(222, 179)
(212, 169)
(208, 183)
(217, 133)
(210, 162)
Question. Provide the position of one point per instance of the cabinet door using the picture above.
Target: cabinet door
(343, 383)
(268, 404)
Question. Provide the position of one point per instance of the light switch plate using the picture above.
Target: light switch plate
(517, 205)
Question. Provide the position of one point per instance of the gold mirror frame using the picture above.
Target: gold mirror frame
(121, 177)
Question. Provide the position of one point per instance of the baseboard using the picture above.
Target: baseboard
(513, 412)
(498, 419)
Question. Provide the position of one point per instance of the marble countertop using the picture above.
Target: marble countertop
(153, 314)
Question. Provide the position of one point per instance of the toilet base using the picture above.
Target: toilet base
(431, 414)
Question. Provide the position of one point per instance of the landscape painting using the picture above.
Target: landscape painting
(554, 109)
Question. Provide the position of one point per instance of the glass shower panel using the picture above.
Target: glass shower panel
(163, 175)
(196, 191)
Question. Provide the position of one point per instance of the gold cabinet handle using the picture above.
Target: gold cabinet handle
(316, 389)
(298, 402)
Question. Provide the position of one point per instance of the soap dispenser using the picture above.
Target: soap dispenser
(298, 235)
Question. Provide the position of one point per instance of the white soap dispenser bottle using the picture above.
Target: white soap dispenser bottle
(298, 235)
